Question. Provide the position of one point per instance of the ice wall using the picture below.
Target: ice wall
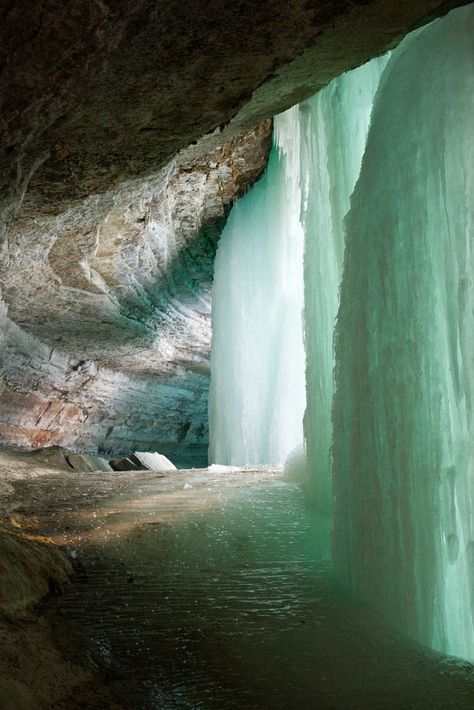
(377, 173)
(257, 393)
(403, 454)
(334, 125)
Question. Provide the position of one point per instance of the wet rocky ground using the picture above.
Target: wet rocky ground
(199, 589)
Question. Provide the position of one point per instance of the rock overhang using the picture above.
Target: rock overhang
(128, 129)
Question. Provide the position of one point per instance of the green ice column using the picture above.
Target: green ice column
(334, 125)
(403, 453)
(257, 394)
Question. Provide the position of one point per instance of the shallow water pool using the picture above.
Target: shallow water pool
(234, 606)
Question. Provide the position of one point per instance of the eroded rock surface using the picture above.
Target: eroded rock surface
(108, 232)
(107, 333)
(33, 672)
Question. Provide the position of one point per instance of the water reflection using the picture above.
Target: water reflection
(235, 606)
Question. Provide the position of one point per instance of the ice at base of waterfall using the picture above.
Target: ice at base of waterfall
(257, 393)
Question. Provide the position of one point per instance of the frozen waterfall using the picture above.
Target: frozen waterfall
(403, 417)
(334, 125)
(376, 175)
(257, 394)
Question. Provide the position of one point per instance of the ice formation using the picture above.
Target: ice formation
(257, 394)
(258, 284)
(377, 173)
(403, 419)
(333, 125)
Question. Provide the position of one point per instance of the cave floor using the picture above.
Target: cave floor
(213, 590)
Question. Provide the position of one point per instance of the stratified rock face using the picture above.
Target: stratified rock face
(107, 334)
(107, 233)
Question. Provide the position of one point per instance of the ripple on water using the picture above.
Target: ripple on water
(235, 606)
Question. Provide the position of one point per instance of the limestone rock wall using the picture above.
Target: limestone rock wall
(105, 341)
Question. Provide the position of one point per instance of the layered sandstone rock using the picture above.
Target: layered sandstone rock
(107, 334)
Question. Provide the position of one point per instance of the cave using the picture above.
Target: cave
(236, 338)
